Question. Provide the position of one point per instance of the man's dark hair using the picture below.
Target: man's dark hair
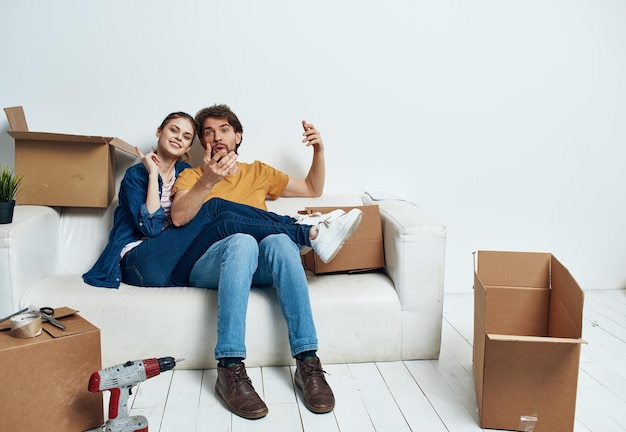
(218, 111)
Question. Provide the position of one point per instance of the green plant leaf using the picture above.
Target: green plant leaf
(9, 184)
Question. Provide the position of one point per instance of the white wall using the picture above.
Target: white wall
(505, 119)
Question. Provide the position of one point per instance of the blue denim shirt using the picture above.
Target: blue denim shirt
(131, 222)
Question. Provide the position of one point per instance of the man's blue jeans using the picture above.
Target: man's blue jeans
(238, 262)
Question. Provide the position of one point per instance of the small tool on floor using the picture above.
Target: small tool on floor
(120, 380)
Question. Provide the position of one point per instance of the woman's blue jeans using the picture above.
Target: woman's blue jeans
(238, 262)
(167, 259)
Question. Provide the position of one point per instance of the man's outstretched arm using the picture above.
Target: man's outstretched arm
(313, 184)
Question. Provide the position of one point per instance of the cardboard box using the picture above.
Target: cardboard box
(527, 336)
(64, 170)
(44, 379)
(363, 250)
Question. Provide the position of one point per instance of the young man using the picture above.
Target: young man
(236, 263)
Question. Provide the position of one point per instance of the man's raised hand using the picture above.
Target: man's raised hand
(312, 136)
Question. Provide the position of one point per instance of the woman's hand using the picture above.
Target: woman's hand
(150, 161)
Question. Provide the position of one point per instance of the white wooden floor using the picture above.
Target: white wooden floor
(431, 396)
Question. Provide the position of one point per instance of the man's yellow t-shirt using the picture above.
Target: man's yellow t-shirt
(252, 185)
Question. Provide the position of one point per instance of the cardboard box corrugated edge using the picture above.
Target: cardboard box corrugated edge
(363, 251)
(501, 393)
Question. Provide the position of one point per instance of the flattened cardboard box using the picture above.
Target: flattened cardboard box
(64, 170)
(362, 251)
(527, 340)
(44, 379)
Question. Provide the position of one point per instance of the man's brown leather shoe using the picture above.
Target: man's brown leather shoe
(316, 393)
(235, 389)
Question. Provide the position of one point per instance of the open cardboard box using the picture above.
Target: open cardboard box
(44, 379)
(64, 170)
(362, 251)
(527, 337)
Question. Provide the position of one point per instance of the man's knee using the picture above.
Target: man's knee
(276, 240)
(278, 243)
(241, 241)
(243, 247)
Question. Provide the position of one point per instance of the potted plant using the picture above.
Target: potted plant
(9, 187)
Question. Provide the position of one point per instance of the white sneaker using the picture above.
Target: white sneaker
(315, 219)
(331, 236)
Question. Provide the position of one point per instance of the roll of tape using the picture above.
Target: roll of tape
(26, 325)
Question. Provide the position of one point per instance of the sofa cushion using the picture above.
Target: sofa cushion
(180, 322)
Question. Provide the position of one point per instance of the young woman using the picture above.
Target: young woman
(146, 249)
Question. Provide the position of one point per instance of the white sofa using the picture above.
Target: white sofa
(387, 315)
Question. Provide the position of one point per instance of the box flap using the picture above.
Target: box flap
(19, 130)
(16, 117)
(56, 137)
(123, 145)
(566, 303)
(524, 269)
(478, 353)
(517, 310)
(68, 138)
(74, 324)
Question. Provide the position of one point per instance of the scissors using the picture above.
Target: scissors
(47, 313)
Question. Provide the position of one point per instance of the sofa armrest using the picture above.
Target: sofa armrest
(415, 246)
(28, 252)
